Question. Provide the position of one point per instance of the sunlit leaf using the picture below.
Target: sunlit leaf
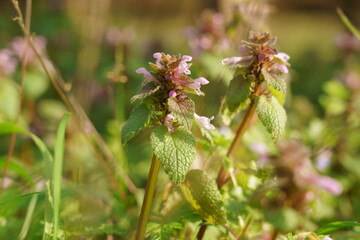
(175, 150)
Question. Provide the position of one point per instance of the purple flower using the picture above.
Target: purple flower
(183, 66)
(196, 84)
(7, 62)
(168, 122)
(238, 61)
(305, 176)
(19, 46)
(282, 61)
(148, 77)
(204, 122)
(172, 93)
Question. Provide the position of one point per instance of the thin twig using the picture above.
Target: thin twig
(95, 140)
(21, 97)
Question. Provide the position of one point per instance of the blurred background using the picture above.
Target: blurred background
(96, 46)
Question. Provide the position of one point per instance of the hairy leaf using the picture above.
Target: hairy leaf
(204, 196)
(175, 150)
(146, 90)
(238, 93)
(165, 231)
(138, 120)
(272, 115)
(277, 94)
(182, 110)
(275, 79)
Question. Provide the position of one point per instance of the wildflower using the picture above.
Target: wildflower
(168, 122)
(166, 86)
(19, 46)
(204, 122)
(147, 75)
(259, 53)
(7, 62)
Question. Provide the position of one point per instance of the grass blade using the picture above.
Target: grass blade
(57, 171)
(28, 217)
(348, 24)
(331, 227)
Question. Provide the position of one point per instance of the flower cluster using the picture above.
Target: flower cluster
(209, 33)
(170, 82)
(296, 176)
(259, 53)
(10, 57)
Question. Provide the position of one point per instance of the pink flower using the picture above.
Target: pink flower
(282, 61)
(172, 94)
(183, 66)
(168, 122)
(238, 61)
(196, 84)
(148, 77)
(157, 56)
(305, 176)
(19, 45)
(204, 122)
(7, 62)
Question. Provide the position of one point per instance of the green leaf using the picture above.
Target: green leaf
(57, 172)
(277, 94)
(238, 93)
(147, 90)
(283, 219)
(272, 115)
(175, 150)
(183, 111)
(331, 227)
(164, 231)
(138, 120)
(204, 196)
(275, 79)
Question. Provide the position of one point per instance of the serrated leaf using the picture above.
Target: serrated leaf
(238, 93)
(275, 79)
(146, 90)
(160, 231)
(183, 111)
(204, 196)
(277, 94)
(138, 120)
(272, 115)
(175, 150)
(331, 227)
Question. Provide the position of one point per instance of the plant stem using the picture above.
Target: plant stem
(21, 97)
(238, 136)
(149, 194)
(239, 133)
(201, 232)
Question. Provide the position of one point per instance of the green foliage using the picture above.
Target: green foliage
(159, 231)
(183, 111)
(175, 150)
(57, 172)
(275, 79)
(331, 227)
(138, 120)
(283, 219)
(147, 90)
(272, 115)
(204, 196)
(238, 93)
